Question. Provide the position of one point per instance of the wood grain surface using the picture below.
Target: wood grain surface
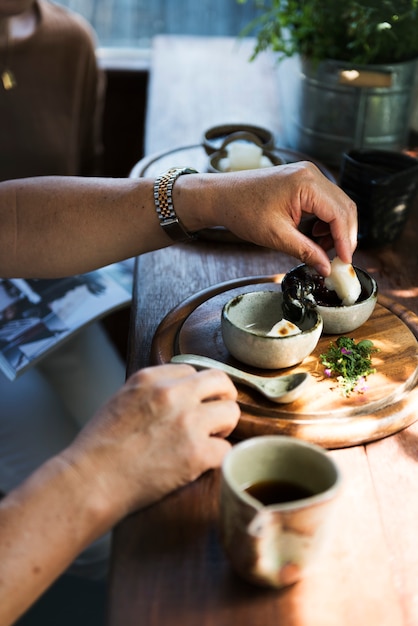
(168, 567)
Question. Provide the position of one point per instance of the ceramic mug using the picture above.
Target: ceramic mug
(277, 496)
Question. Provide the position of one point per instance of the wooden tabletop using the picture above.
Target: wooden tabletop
(168, 567)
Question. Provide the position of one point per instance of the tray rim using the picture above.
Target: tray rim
(167, 334)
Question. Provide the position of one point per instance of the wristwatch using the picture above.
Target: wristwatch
(163, 198)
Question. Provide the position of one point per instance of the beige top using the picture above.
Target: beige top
(49, 120)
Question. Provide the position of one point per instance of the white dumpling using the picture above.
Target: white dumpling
(284, 328)
(344, 281)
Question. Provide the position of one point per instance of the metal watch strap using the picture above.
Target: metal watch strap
(163, 198)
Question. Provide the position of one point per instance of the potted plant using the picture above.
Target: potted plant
(349, 75)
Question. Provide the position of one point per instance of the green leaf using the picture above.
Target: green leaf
(349, 362)
(347, 31)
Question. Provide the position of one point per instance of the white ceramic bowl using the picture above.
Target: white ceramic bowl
(246, 322)
(339, 319)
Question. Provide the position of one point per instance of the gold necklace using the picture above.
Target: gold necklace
(7, 76)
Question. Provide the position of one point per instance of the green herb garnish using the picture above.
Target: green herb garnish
(350, 363)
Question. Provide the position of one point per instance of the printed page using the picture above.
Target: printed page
(37, 315)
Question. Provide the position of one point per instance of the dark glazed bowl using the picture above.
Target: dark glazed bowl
(339, 319)
(214, 137)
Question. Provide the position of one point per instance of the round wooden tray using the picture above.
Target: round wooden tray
(195, 156)
(323, 415)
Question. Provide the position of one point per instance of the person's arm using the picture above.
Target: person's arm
(56, 226)
(162, 430)
(266, 207)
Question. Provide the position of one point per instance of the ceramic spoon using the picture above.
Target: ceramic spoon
(280, 389)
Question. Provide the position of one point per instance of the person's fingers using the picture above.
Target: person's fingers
(327, 236)
(149, 375)
(321, 233)
(344, 235)
(328, 202)
(326, 242)
(215, 452)
(320, 229)
(210, 384)
(202, 385)
(304, 248)
(219, 417)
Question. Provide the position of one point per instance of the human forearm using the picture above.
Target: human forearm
(57, 226)
(44, 525)
(160, 431)
(62, 226)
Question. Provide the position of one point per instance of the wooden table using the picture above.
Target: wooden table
(168, 566)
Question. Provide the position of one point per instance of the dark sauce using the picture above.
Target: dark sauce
(277, 491)
(322, 295)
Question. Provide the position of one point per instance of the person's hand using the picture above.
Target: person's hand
(266, 206)
(163, 429)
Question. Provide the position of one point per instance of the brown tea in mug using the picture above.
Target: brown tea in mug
(277, 491)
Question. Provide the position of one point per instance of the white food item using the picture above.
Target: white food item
(284, 328)
(224, 164)
(243, 155)
(344, 281)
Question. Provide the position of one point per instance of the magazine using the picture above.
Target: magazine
(38, 315)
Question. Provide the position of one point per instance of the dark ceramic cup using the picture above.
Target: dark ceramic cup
(383, 184)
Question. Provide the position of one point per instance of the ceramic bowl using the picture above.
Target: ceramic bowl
(339, 319)
(246, 322)
(214, 137)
